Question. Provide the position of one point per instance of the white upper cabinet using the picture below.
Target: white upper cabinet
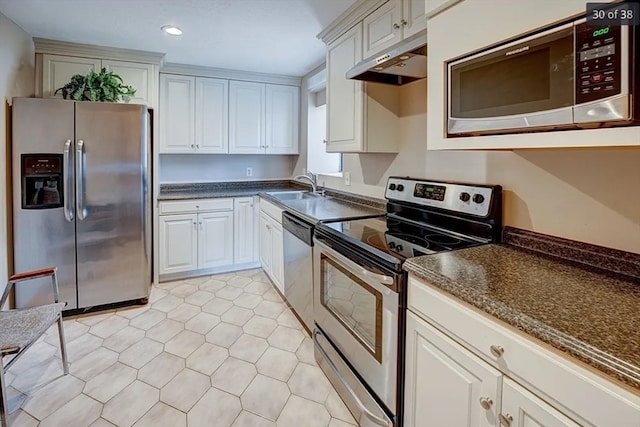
(212, 115)
(263, 118)
(246, 117)
(344, 97)
(282, 119)
(391, 23)
(414, 16)
(177, 119)
(193, 114)
(382, 28)
(361, 118)
(57, 70)
(138, 75)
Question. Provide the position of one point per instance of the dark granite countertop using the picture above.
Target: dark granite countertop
(210, 190)
(336, 204)
(588, 313)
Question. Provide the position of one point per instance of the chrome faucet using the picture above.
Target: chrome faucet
(312, 177)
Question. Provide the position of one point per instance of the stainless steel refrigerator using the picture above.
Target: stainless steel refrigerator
(81, 199)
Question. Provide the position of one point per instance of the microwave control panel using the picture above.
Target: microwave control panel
(598, 68)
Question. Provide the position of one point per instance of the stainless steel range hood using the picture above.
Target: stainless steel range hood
(402, 63)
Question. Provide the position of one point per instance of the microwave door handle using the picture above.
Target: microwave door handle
(67, 184)
(373, 417)
(355, 268)
(81, 209)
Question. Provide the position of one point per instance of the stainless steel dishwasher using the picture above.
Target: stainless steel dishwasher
(298, 266)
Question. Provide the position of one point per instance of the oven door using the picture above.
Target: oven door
(356, 305)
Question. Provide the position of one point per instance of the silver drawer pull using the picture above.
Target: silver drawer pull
(505, 420)
(486, 402)
(497, 350)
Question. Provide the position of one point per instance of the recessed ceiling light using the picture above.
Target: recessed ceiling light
(170, 29)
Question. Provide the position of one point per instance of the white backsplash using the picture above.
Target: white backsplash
(222, 167)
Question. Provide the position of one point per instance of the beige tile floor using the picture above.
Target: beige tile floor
(212, 351)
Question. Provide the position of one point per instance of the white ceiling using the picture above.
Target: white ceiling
(269, 36)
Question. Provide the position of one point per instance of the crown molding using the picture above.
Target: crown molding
(356, 13)
(223, 73)
(57, 47)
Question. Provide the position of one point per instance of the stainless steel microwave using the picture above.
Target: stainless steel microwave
(569, 76)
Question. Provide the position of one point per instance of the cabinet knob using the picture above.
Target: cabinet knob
(396, 26)
(404, 23)
(324, 141)
(497, 350)
(193, 146)
(195, 224)
(505, 420)
(486, 402)
(198, 146)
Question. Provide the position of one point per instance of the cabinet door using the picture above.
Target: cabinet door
(344, 97)
(57, 70)
(382, 28)
(414, 18)
(277, 265)
(140, 76)
(266, 243)
(212, 115)
(244, 226)
(282, 119)
(246, 117)
(176, 113)
(178, 243)
(445, 382)
(523, 409)
(215, 239)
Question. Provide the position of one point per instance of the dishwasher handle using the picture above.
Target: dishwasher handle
(298, 227)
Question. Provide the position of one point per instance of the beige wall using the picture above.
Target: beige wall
(16, 79)
(369, 172)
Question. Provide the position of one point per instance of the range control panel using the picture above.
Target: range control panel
(465, 198)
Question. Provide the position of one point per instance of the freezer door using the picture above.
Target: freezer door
(43, 237)
(111, 203)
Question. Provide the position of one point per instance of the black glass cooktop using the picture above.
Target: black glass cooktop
(391, 237)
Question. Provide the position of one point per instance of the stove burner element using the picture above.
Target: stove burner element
(443, 239)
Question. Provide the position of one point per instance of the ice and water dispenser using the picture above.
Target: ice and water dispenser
(42, 181)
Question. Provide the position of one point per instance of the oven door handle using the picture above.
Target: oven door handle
(367, 413)
(354, 267)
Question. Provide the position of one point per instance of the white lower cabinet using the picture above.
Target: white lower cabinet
(522, 408)
(178, 243)
(215, 239)
(245, 222)
(207, 236)
(271, 248)
(465, 369)
(445, 383)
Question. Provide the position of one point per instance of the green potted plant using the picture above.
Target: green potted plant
(105, 86)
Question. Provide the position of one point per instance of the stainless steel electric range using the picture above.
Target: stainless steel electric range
(360, 286)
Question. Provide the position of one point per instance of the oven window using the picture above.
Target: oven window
(356, 305)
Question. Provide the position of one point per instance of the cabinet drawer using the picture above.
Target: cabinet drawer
(585, 395)
(199, 205)
(272, 210)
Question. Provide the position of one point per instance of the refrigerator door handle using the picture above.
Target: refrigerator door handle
(67, 189)
(81, 178)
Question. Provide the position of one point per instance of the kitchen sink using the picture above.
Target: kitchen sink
(294, 195)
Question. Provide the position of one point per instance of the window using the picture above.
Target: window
(318, 160)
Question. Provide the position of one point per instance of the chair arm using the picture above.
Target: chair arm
(44, 272)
